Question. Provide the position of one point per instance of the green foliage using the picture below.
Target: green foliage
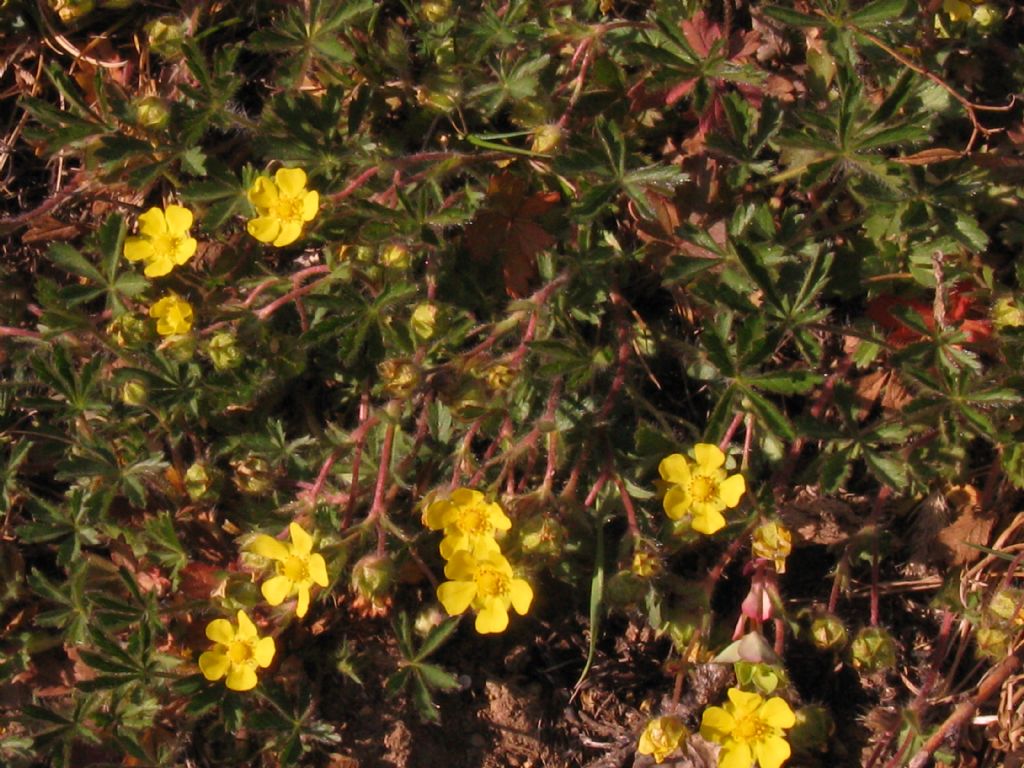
(552, 244)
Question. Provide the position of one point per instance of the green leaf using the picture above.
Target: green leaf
(878, 12)
(438, 635)
(786, 382)
(835, 470)
(596, 599)
(770, 416)
(437, 678)
(70, 260)
(793, 18)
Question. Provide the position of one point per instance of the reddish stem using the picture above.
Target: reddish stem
(627, 503)
(355, 184)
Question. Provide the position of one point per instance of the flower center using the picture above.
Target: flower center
(703, 488)
(239, 651)
(473, 519)
(751, 729)
(289, 208)
(491, 583)
(295, 568)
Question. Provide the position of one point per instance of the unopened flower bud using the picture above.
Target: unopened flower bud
(224, 352)
(424, 320)
(372, 577)
(546, 138)
(197, 481)
(873, 649)
(165, 35)
(828, 632)
(134, 392)
(151, 112)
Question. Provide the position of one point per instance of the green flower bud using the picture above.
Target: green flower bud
(873, 649)
(151, 112)
(127, 330)
(166, 34)
(70, 11)
(424, 320)
(828, 632)
(542, 536)
(436, 11)
(992, 643)
(180, 347)
(764, 677)
(372, 577)
(253, 476)
(134, 392)
(224, 352)
(197, 481)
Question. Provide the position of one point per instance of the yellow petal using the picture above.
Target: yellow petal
(302, 542)
(707, 520)
(498, 518)
(263, 193)
(776, 712)
(276, 589)
(493, 618)
(265, 228)
(214, 665)
(246, 629)
(220, 631)
(436, 517)
(185, 250)
(521, 594)
(318, 570)
(303, 605)
(464, 497)
(461, 566)
(264, 651)
(178, 220)
(242, 677)
(772, 751)
(485, 548)
(310, 205)
(736, 755)
(138, 249)
(290, 181)
(152, 223)
(708, 456)
(731, 490)
(677, 503)
(716, 724)
(456, 596)
(269, 547)
(158, 266)
(744, 702)
(288, 234)
(675, 469)
(456, 541)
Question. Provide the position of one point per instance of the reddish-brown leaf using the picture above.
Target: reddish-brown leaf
(507, 228)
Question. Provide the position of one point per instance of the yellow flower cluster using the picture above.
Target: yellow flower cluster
(479, 575)
(239, 651)
(283, 206)
(700, 490)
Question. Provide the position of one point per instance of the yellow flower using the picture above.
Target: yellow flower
(703, 490)
(749, 728)
(487, 584)
(283, 204)
(173, 315)
(163, 241)
(236, 654)
(298, 567)
(469, 522)
(773, 541)
(661, 736)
